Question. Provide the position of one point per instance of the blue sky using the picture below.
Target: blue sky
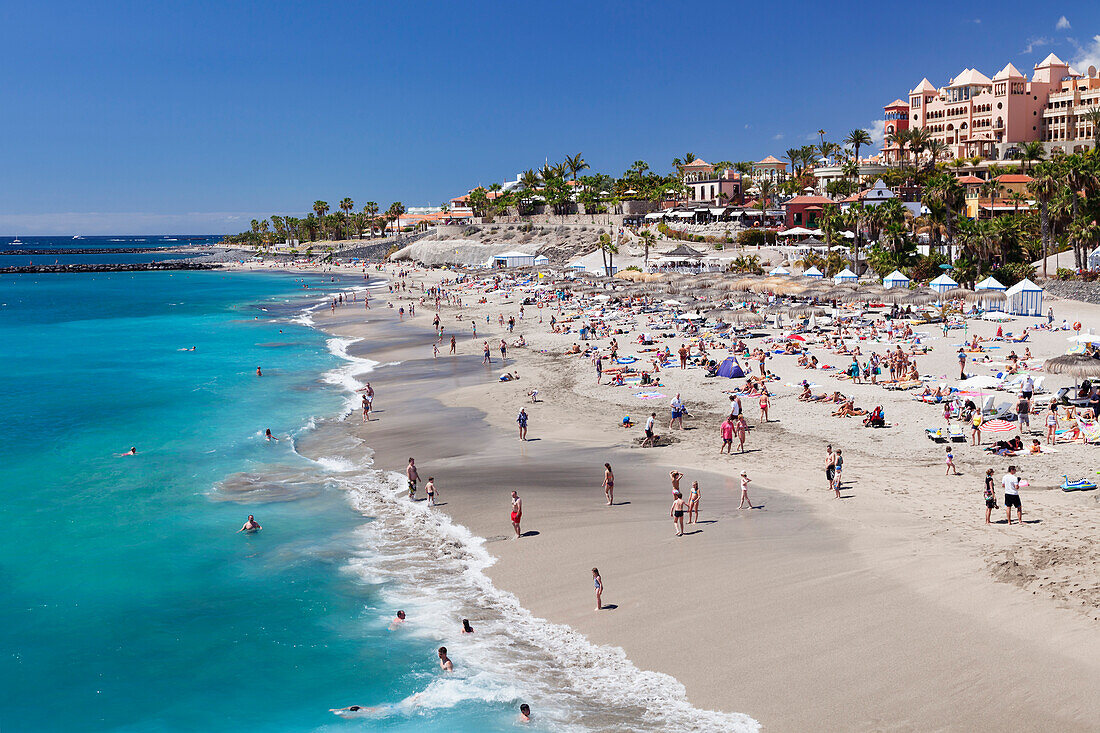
(197, 116)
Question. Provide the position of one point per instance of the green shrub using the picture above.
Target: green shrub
(1064, 273)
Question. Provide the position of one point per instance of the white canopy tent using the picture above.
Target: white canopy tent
(813, 272)
(780, 270)
(1025, 298)
(993, 285)
(795, 232)
(845, 276)
(943, 283)
(895, 280)
(542, 260)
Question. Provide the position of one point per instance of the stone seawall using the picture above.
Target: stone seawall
(1074, 290)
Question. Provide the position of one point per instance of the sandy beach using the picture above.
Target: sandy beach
(895, 608)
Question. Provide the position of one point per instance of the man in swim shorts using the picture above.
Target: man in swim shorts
(250, 526)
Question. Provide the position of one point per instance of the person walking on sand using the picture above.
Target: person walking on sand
(951, 463)
(413, 477)
(741, 427)
(429, 489)
(760, 357)
(517, 513)
(693, 503)
(838, 467)
(990, 495)
(650, 437)
(366, 409)
(522, 420)
(727, 436)
(683, 352)
(1011, 486)
(962, 364)
(1052, 423)
(764, 402)
(676, 409)
(598, 582)
(1023, 413)
(675, 476)
(609, 484)
(976, 427)
(745, 491)
(677, 513)
(830, 465)
(486, 357)
(503, 351)
(452, 343)
(599, 367)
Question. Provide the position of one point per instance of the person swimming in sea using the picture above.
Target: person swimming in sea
(268, 436)
(251, 526)
(525, 713)
(131, 452)
(445, 663)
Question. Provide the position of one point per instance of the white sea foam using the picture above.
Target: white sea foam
(435, 568)
(345, 375)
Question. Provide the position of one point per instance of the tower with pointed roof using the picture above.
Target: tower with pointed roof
(975, 115)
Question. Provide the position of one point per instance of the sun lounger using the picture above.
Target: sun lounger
(955, 432)
(937, 435)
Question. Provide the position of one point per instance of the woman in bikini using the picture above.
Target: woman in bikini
(608, 484)
(693, 503)
(675, 476)
(764, 404)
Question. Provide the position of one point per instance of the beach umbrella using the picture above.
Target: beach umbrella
(747, 317)
(956, 293)
(988, 296)
(998, 426)
(920, 297)
(809, 310)
(1075, 365)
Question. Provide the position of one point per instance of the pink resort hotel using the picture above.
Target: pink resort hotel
(975, 115)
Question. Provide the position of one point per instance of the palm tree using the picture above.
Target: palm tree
(648, 240)
(320, 208)
(937, 149)
(900, 138)
(689, 158)
(1092, 116)
(371, 210)
(394, 212)
(1030, 152)
(1045, 184)
(918, 141)
(821, 134)
(575, 164)
(857, 139)
(346, 205)
(794, 156)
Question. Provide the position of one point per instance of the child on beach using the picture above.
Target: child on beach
(608, 484)
(990, 495)
(745, 491)
(598, 582)
(693, 503)
(677, 512)
(951, 463)
(675, 476)
(838, 466)
(429, 489)
(1052, 423)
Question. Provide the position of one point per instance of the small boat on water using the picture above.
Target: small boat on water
(16, 242)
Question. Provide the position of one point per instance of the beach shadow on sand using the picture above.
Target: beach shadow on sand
(619, 503)
(609, 606)
(532, 533)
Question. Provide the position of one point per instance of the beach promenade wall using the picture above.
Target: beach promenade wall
(117, 267)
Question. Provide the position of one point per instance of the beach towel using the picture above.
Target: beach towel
(650, 395)
(1090, 430)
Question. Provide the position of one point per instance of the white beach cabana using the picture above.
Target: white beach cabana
(813, 272)
(895, 280)
(943, 283)
(779, 270)
(993, 285)
(513, 259)
(576, 265)
(1025, 298)
(542, 261)
(845, 276)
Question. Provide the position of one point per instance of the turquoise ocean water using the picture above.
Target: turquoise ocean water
(129, 603)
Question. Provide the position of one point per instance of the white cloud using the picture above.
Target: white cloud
(1086, 57)
(877, 131)
(98, 222)
(777, 136)
(1034, 43)
(1063, 24)
(747, 126)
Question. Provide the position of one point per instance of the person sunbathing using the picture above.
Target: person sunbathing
(836, 397)
(807, 396)
(849, 409)
(876, 419)
(1007, 447)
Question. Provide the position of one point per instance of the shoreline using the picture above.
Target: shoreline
(911, 586)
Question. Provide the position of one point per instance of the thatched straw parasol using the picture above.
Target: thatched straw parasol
(809, 310)
(747, 317)
(654, 277)
(956, 294)
(985, 296)
(919, 297)
(1075, 365)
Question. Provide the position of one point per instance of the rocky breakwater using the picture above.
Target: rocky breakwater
(1088, 292)
(103, 267)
